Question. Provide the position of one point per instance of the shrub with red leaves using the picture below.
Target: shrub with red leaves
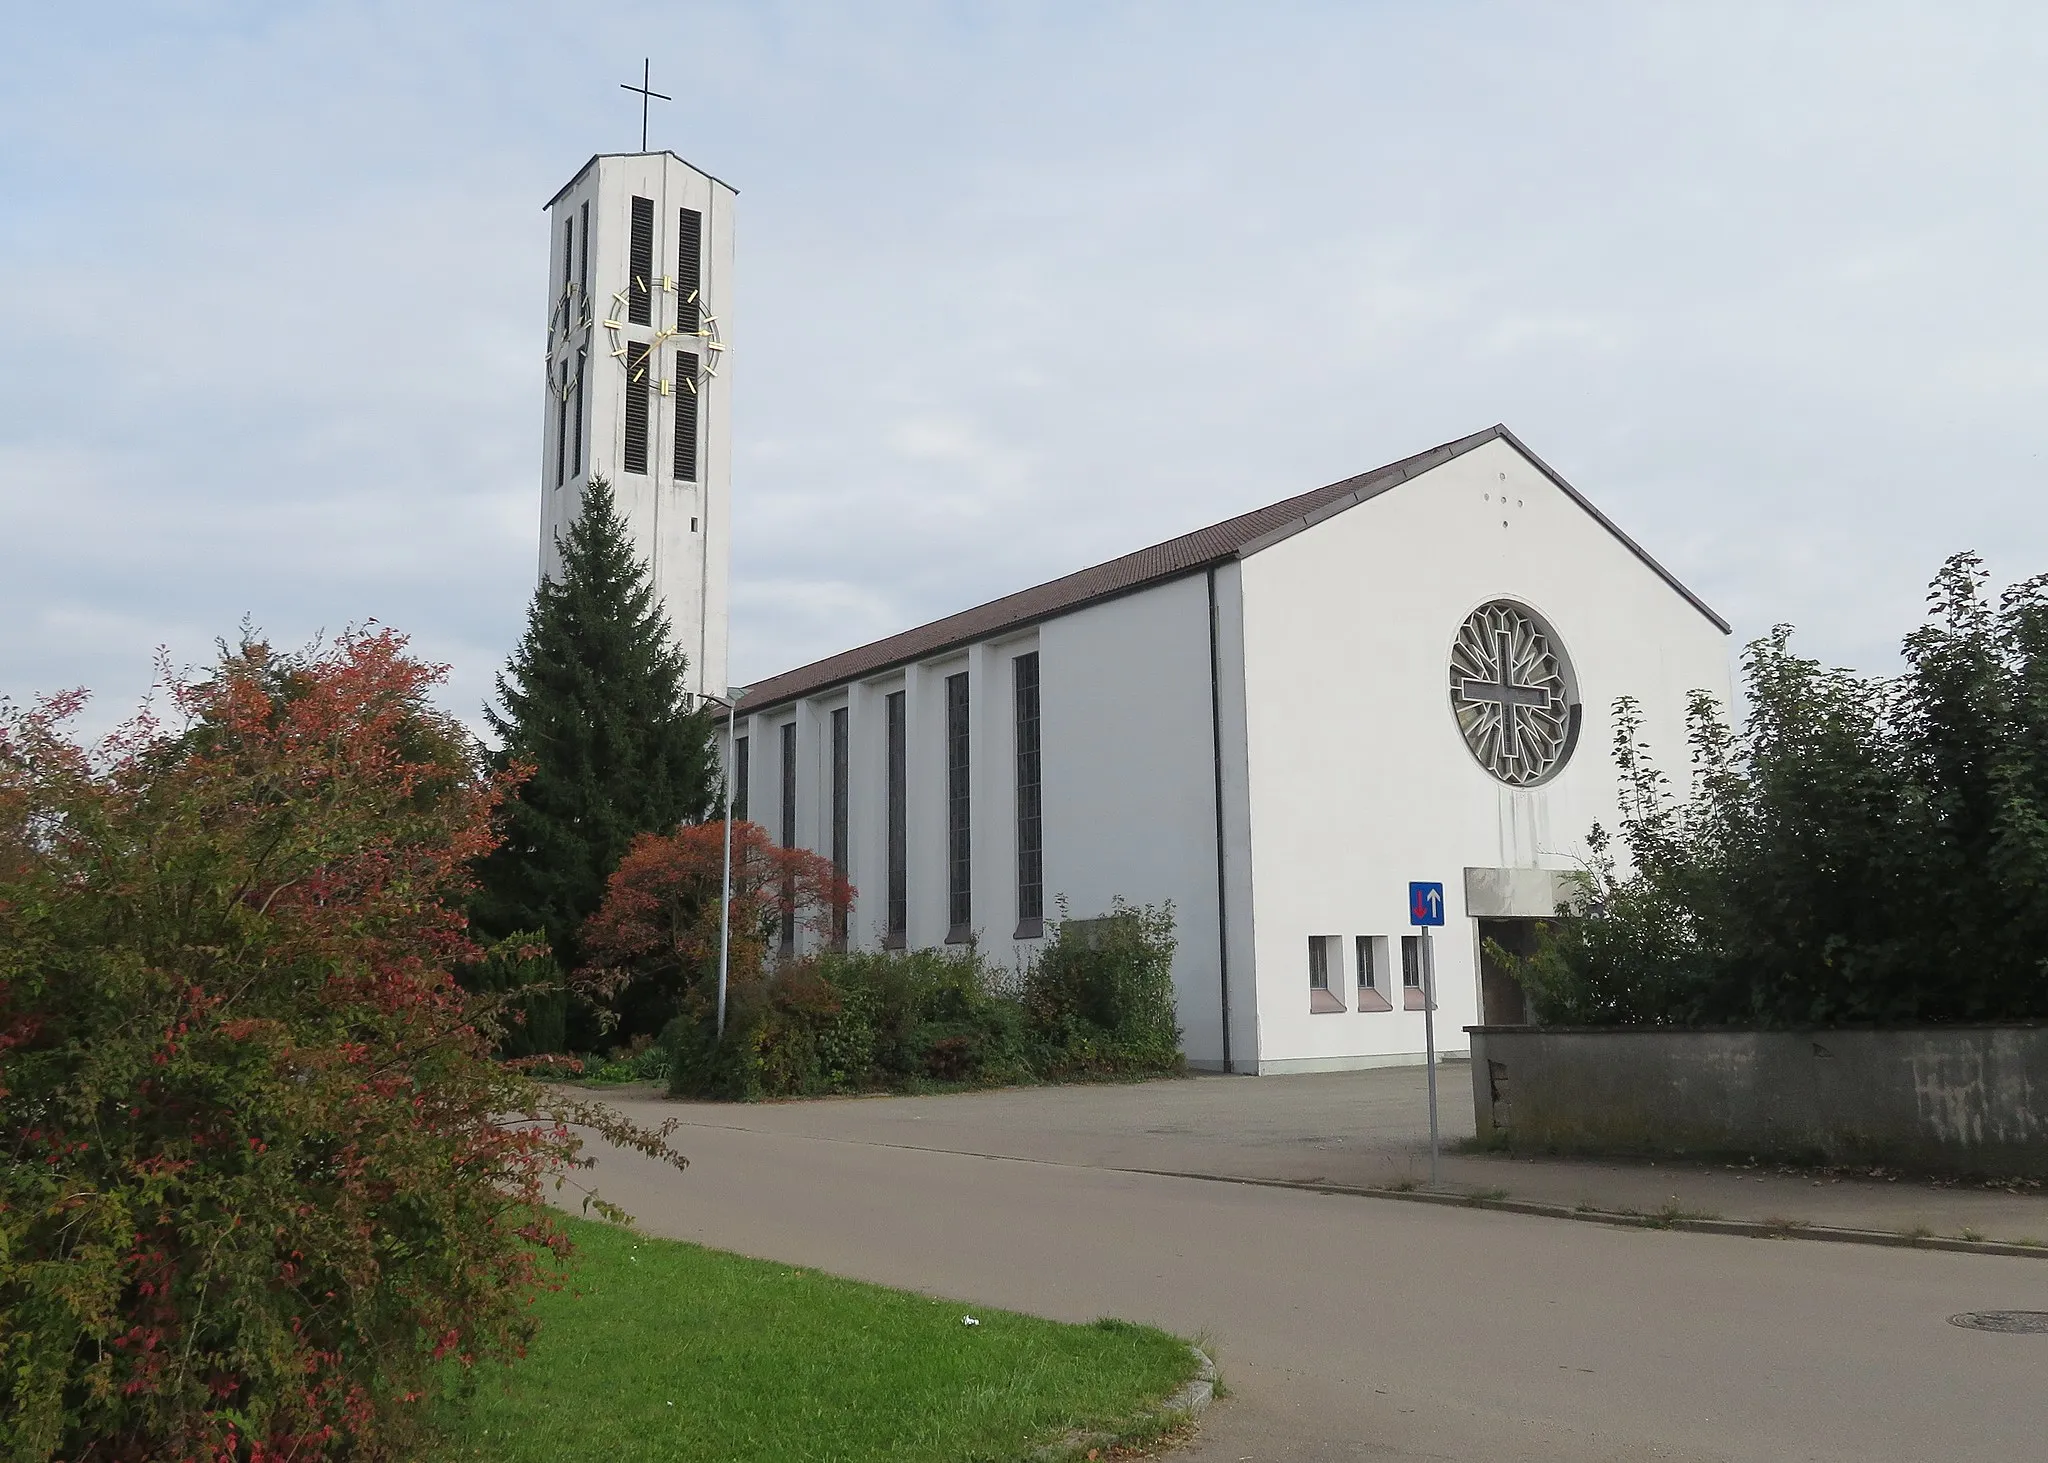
(261, 1176)
(654, 942)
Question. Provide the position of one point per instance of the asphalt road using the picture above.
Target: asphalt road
(1351, 1328)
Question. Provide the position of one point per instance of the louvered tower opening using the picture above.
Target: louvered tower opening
(639, 284)
(576, 460)
(639, 381)
(687, 407)
(562, 425)
(689, 269)
(583, 268)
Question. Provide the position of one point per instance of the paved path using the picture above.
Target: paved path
(1360, 1329)
(1359, 1129)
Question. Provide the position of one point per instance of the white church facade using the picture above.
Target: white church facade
(1273, 723)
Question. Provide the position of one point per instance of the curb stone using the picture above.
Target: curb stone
(1184, 1406)
(1621, 1219)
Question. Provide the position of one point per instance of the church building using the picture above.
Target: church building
(1274, 723)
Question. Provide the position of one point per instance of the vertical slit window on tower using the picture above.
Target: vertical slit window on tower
(840, 830)
(686, 417)
(788, 833)
(576, 457)
(562, 426)
(689, 269)
(739, 780)
(566, 307)
(583, 264)
(959, 843)
(639, 381)
(899, 821)
(1030, 827)
(640, 265)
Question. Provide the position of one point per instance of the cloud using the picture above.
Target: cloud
(1021, 288)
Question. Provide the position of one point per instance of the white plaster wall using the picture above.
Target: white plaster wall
(1130, 778)
(681, 529)
(1128, 787)
(1360, 780)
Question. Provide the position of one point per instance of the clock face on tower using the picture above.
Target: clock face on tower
(665, 357)
(568, 326)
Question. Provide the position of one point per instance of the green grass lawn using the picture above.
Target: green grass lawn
(661, 1350)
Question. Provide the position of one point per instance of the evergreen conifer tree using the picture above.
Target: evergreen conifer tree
(594, 702)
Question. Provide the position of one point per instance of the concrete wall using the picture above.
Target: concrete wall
(1939, 1099)
(1361, 780)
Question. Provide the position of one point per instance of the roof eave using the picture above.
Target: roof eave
(1441, 455)
(953, 647)
(597, 157)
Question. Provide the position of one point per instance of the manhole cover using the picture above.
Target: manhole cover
(2017, 1323)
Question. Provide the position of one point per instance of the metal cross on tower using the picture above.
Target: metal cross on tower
(1505, 691)
(645, 94)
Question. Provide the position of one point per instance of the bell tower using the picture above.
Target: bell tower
(638, 381)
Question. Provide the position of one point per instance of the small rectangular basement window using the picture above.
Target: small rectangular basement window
(1411, 973)
(1372, 961)
(1323, 1000)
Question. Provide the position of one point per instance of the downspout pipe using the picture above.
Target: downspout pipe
(1222, 881)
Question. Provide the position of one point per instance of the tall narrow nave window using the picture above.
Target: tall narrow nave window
(899, 820)
(789, 832)
(583, 265)
(840, 830)
(686, 416)
(959, 843)
(639, 381)
(640, 265)
(739, 780)
(689, 269)
(1030, 827)
(576, 405)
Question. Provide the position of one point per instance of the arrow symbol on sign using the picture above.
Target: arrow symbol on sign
(1435, 901)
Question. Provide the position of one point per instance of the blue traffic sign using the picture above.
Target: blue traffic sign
(1426, 904)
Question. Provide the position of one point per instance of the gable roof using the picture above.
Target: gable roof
(597, 157)
(1191, 553)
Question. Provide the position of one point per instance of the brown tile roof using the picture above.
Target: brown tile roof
(1190, 553)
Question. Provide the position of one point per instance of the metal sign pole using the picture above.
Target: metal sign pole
(1429, 1042)
(732, 762)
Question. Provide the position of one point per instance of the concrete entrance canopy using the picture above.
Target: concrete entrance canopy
(1516, 893)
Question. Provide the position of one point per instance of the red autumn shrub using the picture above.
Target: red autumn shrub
(653, 943)
(261, 1176)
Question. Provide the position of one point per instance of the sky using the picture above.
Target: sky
(1020, 287)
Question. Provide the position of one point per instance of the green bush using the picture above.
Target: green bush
(1098, 1001)
(1099, 997)
(1864, 850)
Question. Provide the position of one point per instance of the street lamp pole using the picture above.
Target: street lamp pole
(732, 707)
